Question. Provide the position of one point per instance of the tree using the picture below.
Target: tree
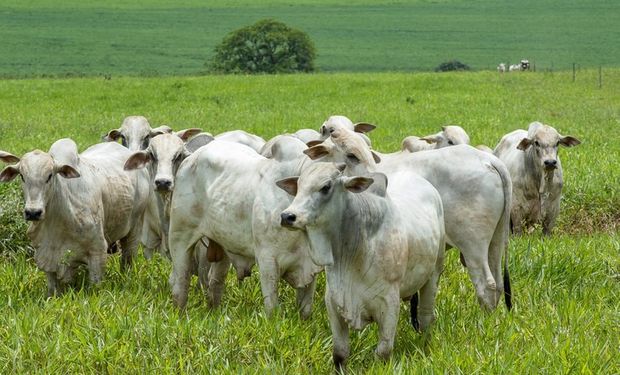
(268, 46)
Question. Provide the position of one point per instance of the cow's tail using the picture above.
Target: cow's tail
(499, 242)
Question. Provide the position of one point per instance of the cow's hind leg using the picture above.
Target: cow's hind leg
(129, 248)
(54, 288)
(476, 256)
(217, 280)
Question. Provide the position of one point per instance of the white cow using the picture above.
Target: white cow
(337, 121)
(135, 133)
(449, 135)
(514, 68)
(475, 189)
(532, 159)
(164, 156)
(78, 205)
(225, 192)
(501, 68)
(239, 136)
(377, 247)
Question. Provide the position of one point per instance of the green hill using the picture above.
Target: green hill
(155, 37)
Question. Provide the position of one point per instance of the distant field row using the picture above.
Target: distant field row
(155, 37)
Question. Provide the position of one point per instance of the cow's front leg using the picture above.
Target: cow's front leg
(269, 277)
(54, 287)
(217, 281)
(96, 267)
(305, 296)
(340, 335)
(387, 320)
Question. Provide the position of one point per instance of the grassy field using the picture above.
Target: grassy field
(567, 288)
(155, 37)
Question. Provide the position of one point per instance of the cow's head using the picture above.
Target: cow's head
(319, 199)
(543, 141)
(334, 123)
(135, 133)
(165, 153)
(449, 135)
(38, 171)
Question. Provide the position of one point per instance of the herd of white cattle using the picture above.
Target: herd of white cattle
(377, 224)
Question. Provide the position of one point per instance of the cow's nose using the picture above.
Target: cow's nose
(550, 164)
(163, 184)
(287, 219)
(33, 214)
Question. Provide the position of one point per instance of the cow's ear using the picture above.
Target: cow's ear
(313, 143)
(375, 157)
(569, 141)
(112, 136)
(67, 171)
(9, 173)
(358, 184)
(435, 138)
(316, 152)
(363, 127)
(8, 157)
(186, 134)
(137, 160)
(289, 185)
(524, 144)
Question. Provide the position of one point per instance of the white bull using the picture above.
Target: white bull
(377, 247)
(532, 159)
(475, 189)
(78, 205)
(225, 192)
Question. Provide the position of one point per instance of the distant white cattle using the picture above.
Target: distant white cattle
(449, 135)
(377, 247)
(523, 65)
(501, 68)
(225, 192)
(475, 189)
(532, 159)
(78, 205)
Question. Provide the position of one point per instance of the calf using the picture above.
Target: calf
(78, 205)
(377, 247)
(532, 159)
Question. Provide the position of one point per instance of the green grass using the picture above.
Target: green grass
(567, 288)
(156, 37)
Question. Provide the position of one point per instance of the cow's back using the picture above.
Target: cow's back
(123, 194)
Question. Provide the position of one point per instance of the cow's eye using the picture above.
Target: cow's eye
(451, 143)
(48, 178)
(145, 143)
(325, 188)
(537, 144)
(352, 158)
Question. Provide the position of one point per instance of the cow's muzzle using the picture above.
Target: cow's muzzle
(33, 214)
(551, 164)
(163, 185)
(287, 219)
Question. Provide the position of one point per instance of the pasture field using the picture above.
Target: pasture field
(156, 37)
(566, 288)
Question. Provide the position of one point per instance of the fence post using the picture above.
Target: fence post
(600, 76)
(573, 72)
